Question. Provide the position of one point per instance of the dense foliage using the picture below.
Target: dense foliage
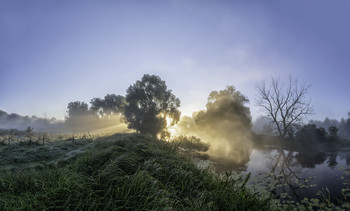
(150, 104)
(108, 107)
(225, 106)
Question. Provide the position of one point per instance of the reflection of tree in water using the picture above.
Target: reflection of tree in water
(309, 159)
(285, 169)
(332, 160)
(288, 170)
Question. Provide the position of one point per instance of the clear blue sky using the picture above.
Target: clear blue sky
(55, 52)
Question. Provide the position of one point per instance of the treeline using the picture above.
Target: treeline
(343, 125)
(150, 108)
(102, 112)
(80, 116)
(18, 122)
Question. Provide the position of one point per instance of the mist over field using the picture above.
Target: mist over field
(83, 124)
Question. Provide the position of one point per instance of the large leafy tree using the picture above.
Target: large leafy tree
(226, 125)
(111, 105)
(225, 111)
(151, 106)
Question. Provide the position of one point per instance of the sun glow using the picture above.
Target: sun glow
(170, 128)
(172, 131)
(168, 121)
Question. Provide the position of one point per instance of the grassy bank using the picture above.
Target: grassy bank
(133, 172)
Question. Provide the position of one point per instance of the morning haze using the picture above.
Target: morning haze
(88, 49)
(174, 104)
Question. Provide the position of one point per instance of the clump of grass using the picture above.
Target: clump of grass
(135, 172)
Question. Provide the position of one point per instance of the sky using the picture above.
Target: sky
(53, 52)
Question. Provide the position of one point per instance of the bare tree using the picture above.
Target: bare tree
(286, 105)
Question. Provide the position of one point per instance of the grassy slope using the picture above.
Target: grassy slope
(133, 172)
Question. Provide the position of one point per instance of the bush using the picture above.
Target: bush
(190, 144)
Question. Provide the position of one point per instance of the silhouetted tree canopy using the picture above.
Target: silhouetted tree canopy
(149, 104)
(225, 111)
(111, 105)
(79, 115)
(310, 133)
(77, 108)
(343, 125)
(333, 132)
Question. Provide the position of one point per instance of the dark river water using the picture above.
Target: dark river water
(307, 173)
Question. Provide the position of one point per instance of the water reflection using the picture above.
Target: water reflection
(283, 167)
(332, 161)
(299, 173)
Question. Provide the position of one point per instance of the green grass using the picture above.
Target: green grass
(27, 155)
(125, 173)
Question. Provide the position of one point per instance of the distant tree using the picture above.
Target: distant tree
(77, 108)
(225, 111)
(150, 105)
(13, 117)
(285, 105)
(79, 115)
(309, 134)
(333, 132)
(3, 114)
(111, 105)
(321, 134)
(344, 128)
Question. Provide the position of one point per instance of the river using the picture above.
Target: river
(300, 174)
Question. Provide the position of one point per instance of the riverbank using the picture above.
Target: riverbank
(116, 172)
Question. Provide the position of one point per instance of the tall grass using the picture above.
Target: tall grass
(128, 173)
